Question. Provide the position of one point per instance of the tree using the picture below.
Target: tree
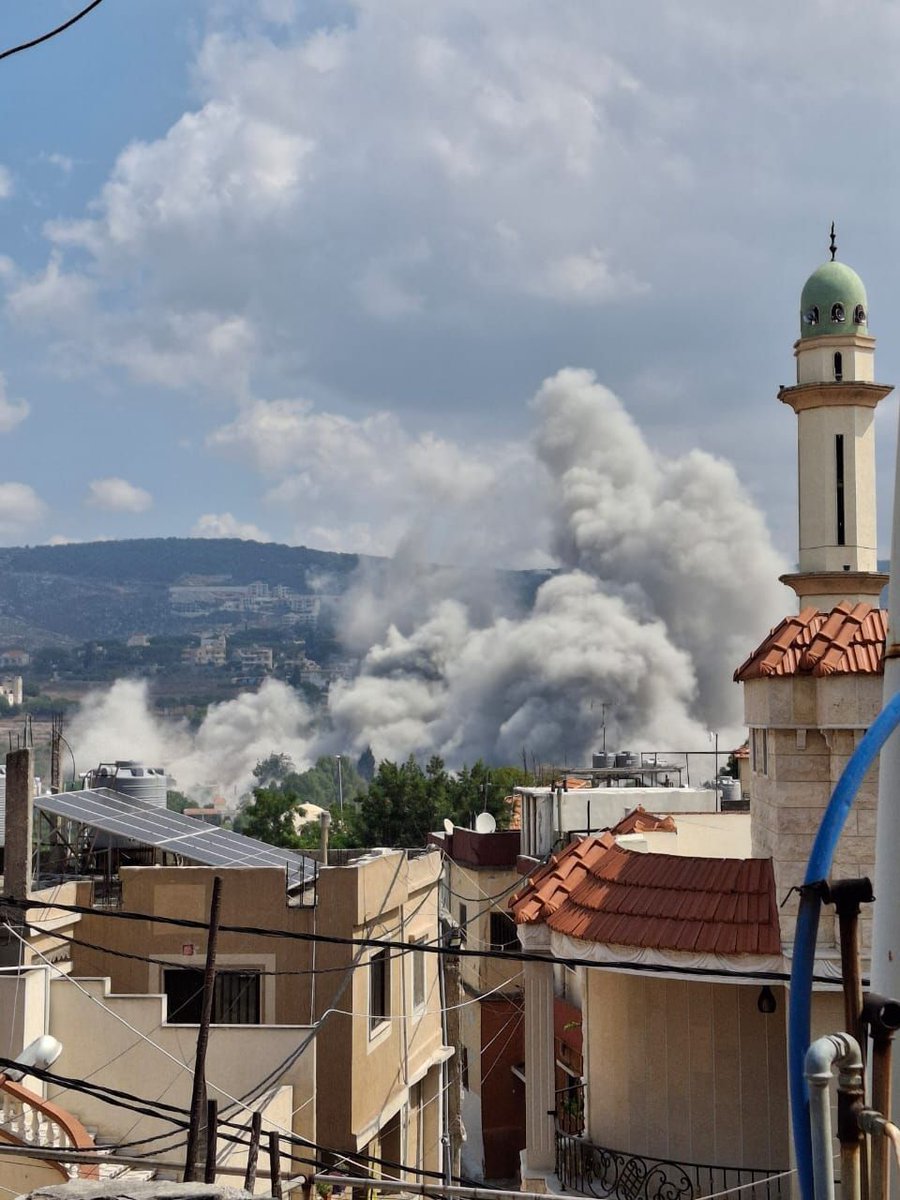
(273, 769)
(399, 808)
(270, 817)
(365, 764)
(177, 801)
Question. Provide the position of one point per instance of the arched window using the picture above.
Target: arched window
(838, 366)
(859, 315)
(811, 316)
(837, 312)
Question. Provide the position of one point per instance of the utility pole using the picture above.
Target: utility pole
(195, 1156)
(340, 786)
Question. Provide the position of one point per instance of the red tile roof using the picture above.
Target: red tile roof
(599, 892)
(848, 640)
(640, 821)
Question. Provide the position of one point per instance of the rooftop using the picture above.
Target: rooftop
(599, 892)
(849, 640)
(641, 821)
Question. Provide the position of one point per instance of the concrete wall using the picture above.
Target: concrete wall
(250, 896)
(814, 725)
(690, 1071)
(474, 888)
(98, 1045)
(700, 835)
(366, 1071)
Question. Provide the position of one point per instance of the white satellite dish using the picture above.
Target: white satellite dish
(448, 826)
(485, 823)
(41, 1053)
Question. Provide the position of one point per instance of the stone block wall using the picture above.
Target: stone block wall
(812, 726)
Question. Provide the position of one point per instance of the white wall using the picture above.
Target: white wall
(98, 1046)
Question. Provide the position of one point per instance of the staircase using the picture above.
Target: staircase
(27, 1119)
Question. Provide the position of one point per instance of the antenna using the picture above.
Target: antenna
(485, 823)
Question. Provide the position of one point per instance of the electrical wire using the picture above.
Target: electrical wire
(45, 37)
(426, 947)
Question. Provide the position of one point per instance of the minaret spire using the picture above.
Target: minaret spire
(834, 398)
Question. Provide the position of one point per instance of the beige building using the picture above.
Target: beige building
(339, 1038)
(480, 874)
(684, 1074)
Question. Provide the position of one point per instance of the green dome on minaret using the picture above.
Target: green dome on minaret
(833, 300)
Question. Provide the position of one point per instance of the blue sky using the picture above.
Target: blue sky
(297, 270)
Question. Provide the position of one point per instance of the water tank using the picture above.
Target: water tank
(731, 792)
(131, 779)
(601, 760)
(625, 758)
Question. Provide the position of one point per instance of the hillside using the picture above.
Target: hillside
(68, 594)
(64, 594)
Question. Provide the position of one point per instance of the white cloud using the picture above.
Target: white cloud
(12, 412)
(118, 495)
(224, 525)
(367, 483)
(6, 183)
(20, 507)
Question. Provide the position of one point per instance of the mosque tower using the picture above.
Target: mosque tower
(834, 399)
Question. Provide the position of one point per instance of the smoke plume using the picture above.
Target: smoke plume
(665, 578)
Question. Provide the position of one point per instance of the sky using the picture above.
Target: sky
(297, 271)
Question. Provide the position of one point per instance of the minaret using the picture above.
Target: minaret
(834, 399)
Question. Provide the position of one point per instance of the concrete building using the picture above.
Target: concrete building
(480, 873)
(11, 690)
(330, 1035)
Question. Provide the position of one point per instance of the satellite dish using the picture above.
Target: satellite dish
(485, 823)
(41, 1053)
(448, 826)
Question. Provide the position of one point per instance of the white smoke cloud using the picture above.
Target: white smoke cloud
(233, 737)
(665, 579)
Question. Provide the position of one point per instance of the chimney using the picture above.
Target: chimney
(19, 823)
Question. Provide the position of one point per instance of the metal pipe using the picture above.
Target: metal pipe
(817, 869)
(841, 1050)
(882, 1016)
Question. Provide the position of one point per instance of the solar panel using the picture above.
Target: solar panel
(149, 825)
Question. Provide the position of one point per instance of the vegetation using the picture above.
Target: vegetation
(401, 805)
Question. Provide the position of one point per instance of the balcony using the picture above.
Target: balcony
(598, 1171)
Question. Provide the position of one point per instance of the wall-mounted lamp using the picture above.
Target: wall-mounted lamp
(765, 1001)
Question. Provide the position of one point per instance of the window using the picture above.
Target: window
(811, 316)
(838, 366)
(236, 997)
(839, 487)
(379, 988)
(463, 921)
(759, 751)
(503, 933)
(464, 1067)
(859, 315)
(418, 977)
(837, 312)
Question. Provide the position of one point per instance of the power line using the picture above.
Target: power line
(425, 947)
(45, 37)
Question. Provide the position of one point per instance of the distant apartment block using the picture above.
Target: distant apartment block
(14, 657)
(11, 690)
(210, 653)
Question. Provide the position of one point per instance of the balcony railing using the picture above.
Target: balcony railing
(597, 1171)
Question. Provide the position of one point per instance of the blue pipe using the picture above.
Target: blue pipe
(803, 961)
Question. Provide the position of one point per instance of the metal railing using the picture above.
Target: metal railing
(598, 1171)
